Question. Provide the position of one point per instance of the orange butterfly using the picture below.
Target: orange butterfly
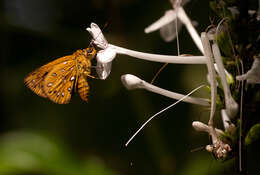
(57, 79)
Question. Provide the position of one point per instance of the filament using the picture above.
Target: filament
(194, 90)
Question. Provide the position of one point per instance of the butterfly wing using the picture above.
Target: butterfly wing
(34, 80)
(59, 82)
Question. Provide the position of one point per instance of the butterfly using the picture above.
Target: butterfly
(57, 79)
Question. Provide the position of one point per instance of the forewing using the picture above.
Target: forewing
(59, 82)
(34, 80)
(83, 88)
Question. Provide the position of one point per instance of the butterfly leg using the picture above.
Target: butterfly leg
(91, 76)
(87, 74)
(77, 77)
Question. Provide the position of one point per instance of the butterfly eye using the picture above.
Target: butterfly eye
(89, 50)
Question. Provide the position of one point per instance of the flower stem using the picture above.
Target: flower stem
(160, 58)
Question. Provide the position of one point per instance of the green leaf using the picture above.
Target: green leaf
(253, 134)
(225, 44)
(31, 153)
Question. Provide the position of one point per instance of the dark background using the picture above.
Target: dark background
(40, 137)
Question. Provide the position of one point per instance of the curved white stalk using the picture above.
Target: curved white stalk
(212, 75)
(133, 82)
(199, 126)
(230, 103)
(160, 58)
(219, 148)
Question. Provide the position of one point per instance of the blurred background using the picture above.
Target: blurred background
(43, 138)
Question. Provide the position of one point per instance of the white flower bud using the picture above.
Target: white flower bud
(131, 81)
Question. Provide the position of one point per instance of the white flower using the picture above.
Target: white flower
(253, 75)
(168, 21)
(105, 56)
(101, 42)
(109, 51)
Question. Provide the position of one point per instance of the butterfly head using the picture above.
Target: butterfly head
(90, 52)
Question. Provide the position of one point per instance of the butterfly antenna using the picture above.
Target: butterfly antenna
(194, 90)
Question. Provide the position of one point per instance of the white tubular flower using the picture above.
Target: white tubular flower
(132, 82)
(104, 57)
(100, 41)
(253, 75)
(230, 103)
(169, 19)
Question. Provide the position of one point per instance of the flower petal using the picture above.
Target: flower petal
(98, 37)
(106, 55)
(103, 70)
(104, 62)
(168, 32)
(168, 17)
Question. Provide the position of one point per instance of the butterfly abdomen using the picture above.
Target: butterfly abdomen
(83, 88)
